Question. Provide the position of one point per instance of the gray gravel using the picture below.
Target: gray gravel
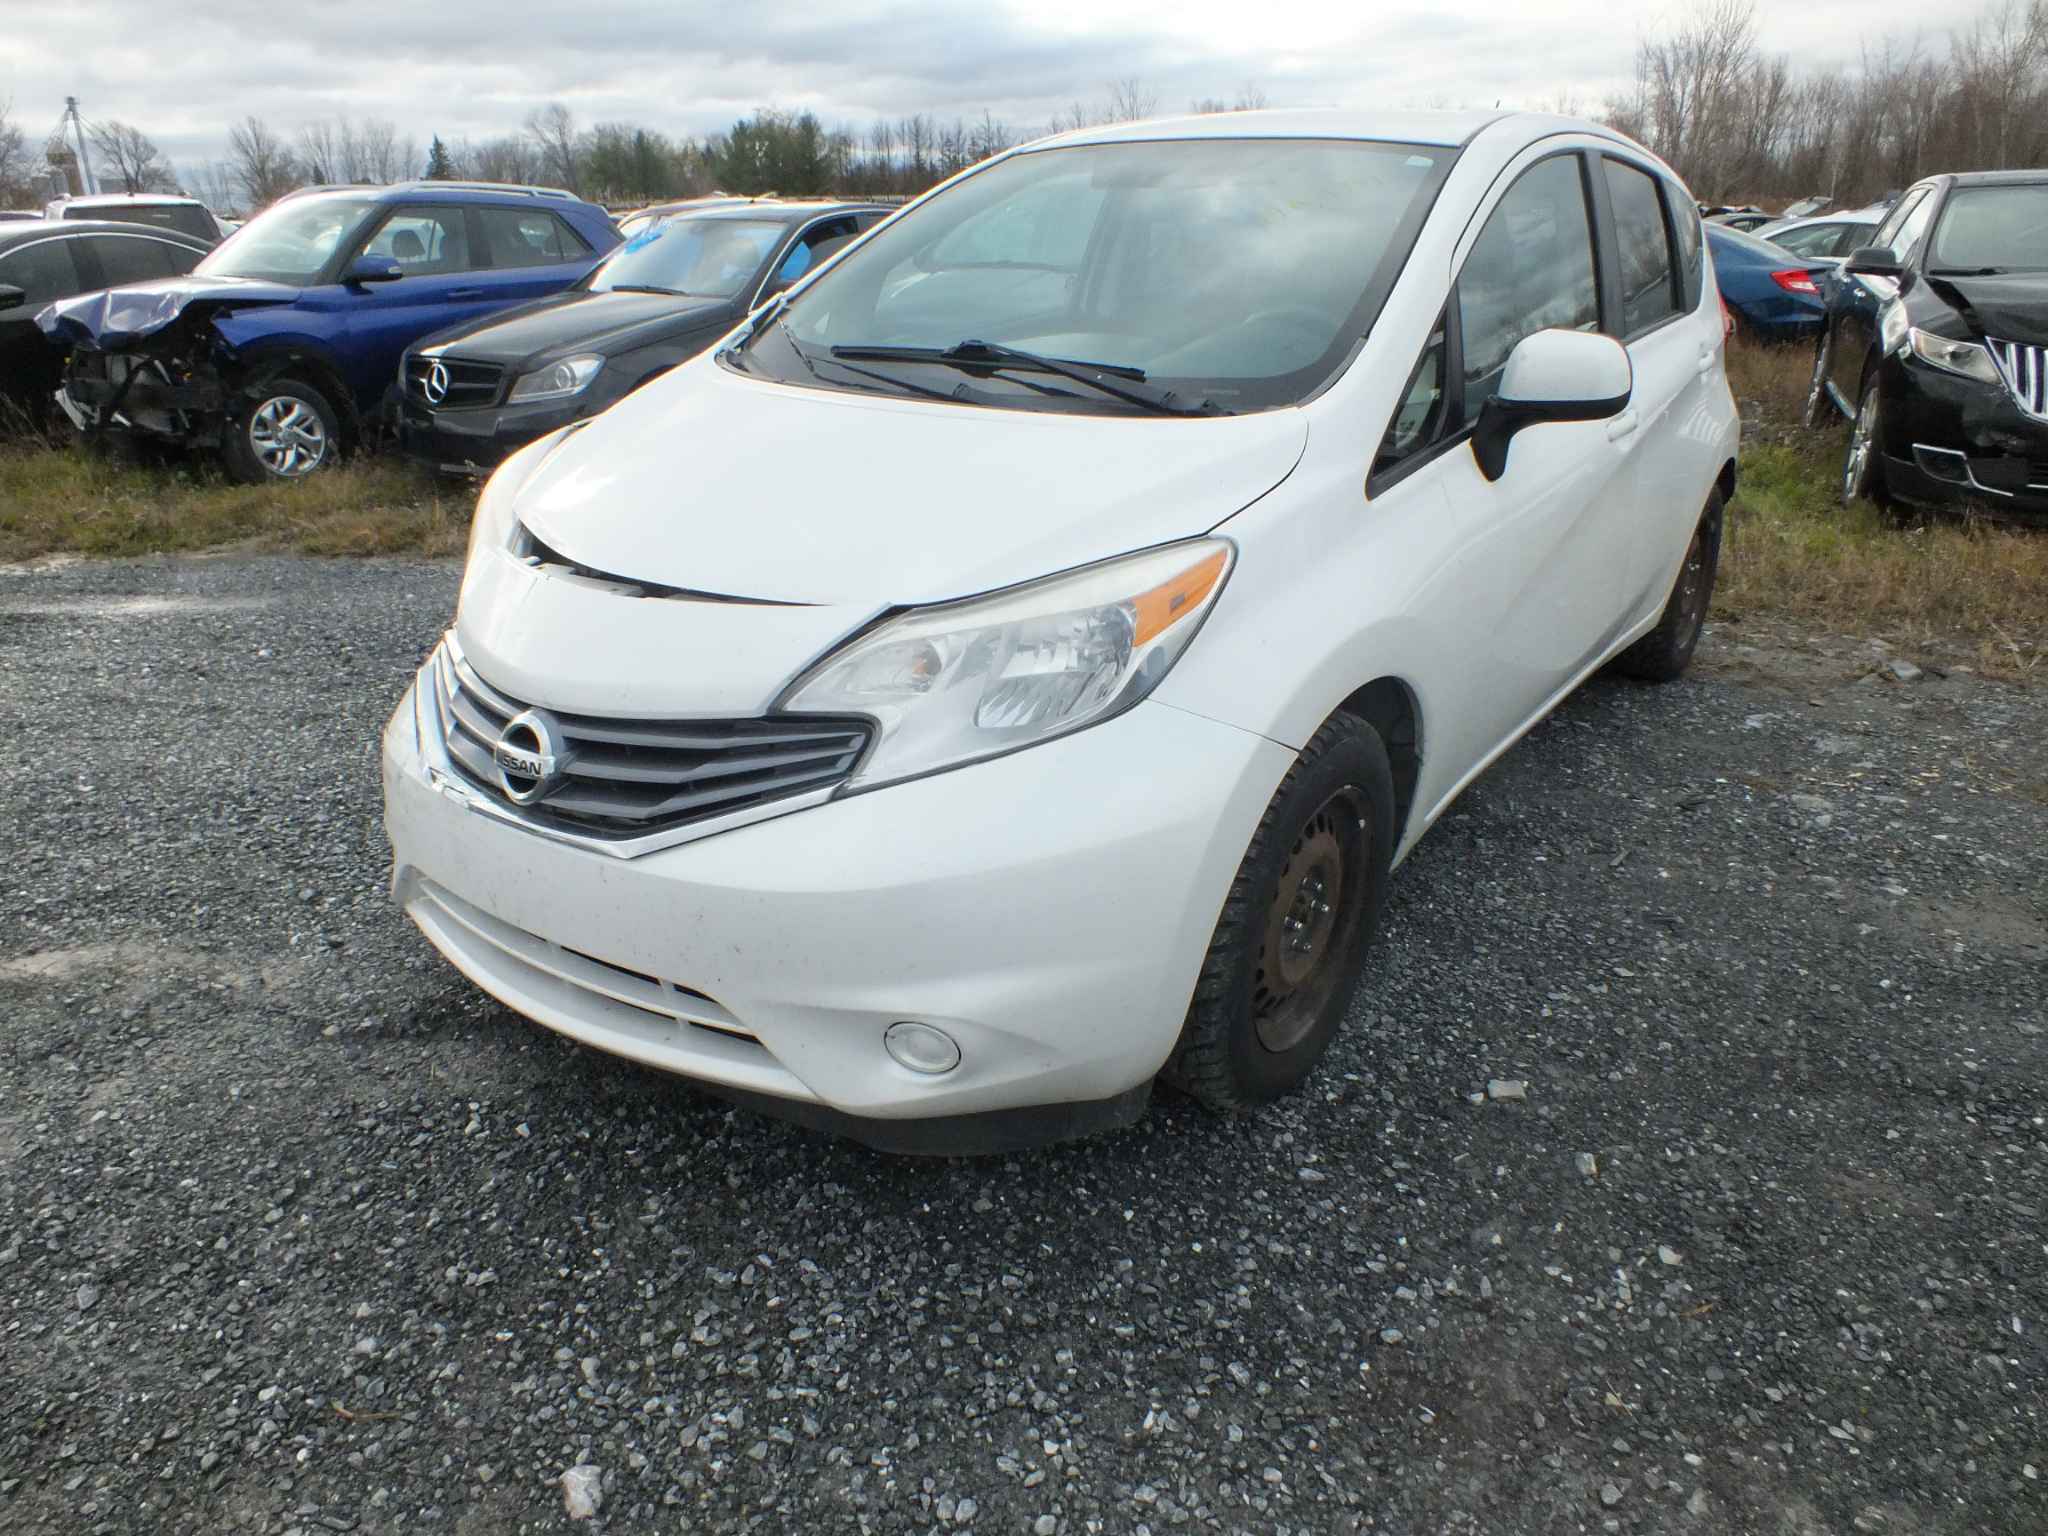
(298, 1232)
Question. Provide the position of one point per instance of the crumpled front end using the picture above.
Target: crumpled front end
(168, 383)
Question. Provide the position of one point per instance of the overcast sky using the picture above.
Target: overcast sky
(474, 68)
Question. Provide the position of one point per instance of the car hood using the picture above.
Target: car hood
(574, 322)
(716, 483)
(120, 317)
(2011, 308)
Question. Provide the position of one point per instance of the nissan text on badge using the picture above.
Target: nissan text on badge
(1003, 673)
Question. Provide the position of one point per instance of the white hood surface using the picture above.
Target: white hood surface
(722, 484)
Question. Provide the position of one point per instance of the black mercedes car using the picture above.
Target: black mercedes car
(1935, 346)
(468, 396)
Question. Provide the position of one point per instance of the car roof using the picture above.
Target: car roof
(1994, 178)
(116, 199)
(1445, 128)
(19, 231)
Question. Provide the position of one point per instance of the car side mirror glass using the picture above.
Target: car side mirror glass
(1551, 376)
(11, 296)
(373, 269)
(1872, 261)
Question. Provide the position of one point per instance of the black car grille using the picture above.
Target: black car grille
(627, 778)
(467, 383)
(2025, 369)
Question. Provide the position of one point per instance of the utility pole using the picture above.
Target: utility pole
(91, 184)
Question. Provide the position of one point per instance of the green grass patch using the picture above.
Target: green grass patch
(65, 500)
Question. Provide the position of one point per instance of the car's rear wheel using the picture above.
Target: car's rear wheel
(1665, 652)
(1291, 940)
(1820, 406)
(285, 430)
(1863, 464)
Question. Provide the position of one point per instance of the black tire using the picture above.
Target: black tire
(1270, 996)
(1863, 459)
(1820, 405)
(1663, 654)
(279, 431)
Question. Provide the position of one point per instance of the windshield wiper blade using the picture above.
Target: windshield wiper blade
(1119, 380)
(643, 288)
(1966, 271)
(811, 367)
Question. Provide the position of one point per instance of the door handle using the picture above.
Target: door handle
(465, 293)
(1706, 362)
(1621, 426)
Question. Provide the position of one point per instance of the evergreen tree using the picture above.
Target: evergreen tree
(439, 166)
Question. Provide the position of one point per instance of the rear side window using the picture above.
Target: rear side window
(1685, 224)
(1814, 240)
(137, 259)
(1531, 270)
(517, 237)
(423, 241)
(1649, 292)
(44, 271)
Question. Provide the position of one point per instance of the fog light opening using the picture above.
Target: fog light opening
(922, 1048)
(1945, 464)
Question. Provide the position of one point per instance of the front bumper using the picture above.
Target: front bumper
(1950, 440)
(1049, 910)
(472, 441)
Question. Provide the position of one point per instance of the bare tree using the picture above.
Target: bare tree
(16, 166)
(511, 158)
(214, 185)
(127, 155)
(320, 152)
(261, 164)
(1129, 101)
(553, 131)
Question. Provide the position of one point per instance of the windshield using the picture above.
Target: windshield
(1236, 274)
(709, 258)
(2002, 227)
(289, 242)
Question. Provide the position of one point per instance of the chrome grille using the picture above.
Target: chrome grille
(625, 778)
(2025, 370)
(468, 383)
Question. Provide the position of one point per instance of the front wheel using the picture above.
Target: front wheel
(1291, 941)
(284, 430)
(1663, 654)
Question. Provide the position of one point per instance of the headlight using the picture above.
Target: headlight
(951, 684)
(1964, 357)
(557, 381)
(491, 523)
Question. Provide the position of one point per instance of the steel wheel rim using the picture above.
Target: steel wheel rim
(1311, 923)
(287, 436)
(1861, 442)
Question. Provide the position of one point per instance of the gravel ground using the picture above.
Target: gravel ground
(299, 1232)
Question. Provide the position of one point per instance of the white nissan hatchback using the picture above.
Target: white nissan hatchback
(1005, 672)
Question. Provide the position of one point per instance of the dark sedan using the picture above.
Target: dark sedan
(1936, 348)
(42, 260)
(1772, 294)
(470, 395)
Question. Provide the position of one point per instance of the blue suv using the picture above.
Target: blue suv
(277, 349)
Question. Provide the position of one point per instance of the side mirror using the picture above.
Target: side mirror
(1551, 376)
(372, 269)
(1872, 261)
(11, 296)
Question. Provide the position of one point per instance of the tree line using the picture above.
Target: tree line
(1737, 122)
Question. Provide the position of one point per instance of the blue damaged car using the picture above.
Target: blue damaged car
(276, 350)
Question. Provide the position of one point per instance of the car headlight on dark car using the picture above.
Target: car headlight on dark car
(557, 381)
(1950, 356)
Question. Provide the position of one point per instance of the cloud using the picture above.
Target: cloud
(474, 68)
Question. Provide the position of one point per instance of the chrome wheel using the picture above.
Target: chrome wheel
(287, 436)
(1312, 922)
(1862, 444)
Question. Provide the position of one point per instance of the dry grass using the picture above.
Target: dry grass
(61, 500)
(1793, 551)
